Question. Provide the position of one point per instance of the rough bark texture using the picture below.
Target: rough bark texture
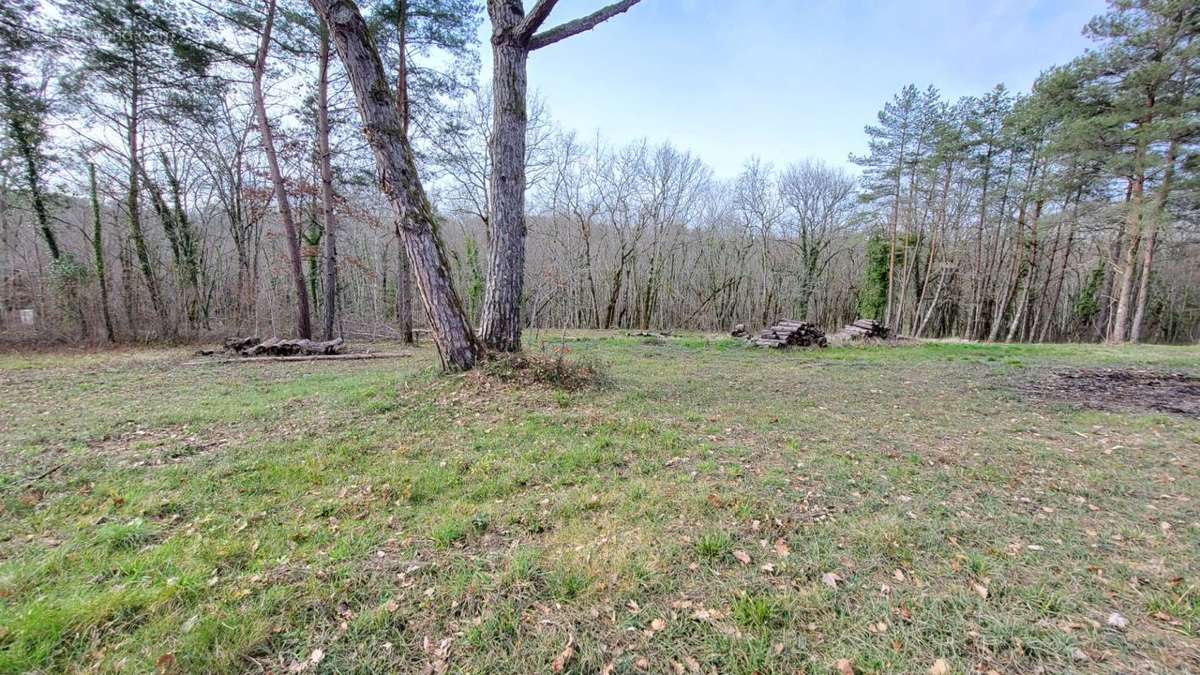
(330, 224)
(384, 131)
(303, 323)
(501, 322)
(513, 37)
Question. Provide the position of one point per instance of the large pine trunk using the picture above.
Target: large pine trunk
(501, 323)
(383, 128)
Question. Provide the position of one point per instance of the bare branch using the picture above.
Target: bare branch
(534, 20)
(566, 30)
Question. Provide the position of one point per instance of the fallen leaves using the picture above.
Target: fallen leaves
(1116, 620)
(832, 579)
(564, 657)
(980, 589)
(844, 667)
(939, 667)
(742, 557)
(781, 548)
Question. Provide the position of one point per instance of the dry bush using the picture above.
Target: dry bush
(554, 370)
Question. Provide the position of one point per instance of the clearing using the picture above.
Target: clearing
(714, 508)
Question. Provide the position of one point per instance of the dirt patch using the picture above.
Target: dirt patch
(1122, 390)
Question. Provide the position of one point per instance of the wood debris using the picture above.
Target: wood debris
(789, 333)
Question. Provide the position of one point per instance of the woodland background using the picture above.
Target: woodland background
(136, 201)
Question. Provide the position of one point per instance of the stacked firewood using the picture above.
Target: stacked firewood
(788, 333)
(252, 346)
(864, 329)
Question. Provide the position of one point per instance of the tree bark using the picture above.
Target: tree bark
(330, 224)
(1129, 265)
(98, 252)
(135, 218)
(1164, 191)
(303, 321)
(512, 39)
(384, 131)
(500, 327)
(404, 282)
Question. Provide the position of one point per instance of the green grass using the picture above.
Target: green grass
(237, 518)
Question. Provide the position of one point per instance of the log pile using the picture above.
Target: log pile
(788, 333)
(252, 346)
(864, 329)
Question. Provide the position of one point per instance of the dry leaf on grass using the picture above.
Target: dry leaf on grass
(742, 557)
(831, 579)
(844, 667)
(939, 667)
(564, 657)
(782, 549)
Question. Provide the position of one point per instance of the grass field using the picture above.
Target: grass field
(711, 509)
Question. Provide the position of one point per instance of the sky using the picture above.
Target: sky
(786, 80)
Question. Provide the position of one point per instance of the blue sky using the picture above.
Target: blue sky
(787, 79)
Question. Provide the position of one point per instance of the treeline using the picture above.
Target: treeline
(177, 170)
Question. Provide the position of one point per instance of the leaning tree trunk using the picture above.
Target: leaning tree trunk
(330, 226)
(303, 323)
(383, 127)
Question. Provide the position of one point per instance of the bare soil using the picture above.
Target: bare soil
(1119, 389)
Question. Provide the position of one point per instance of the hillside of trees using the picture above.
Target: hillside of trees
(181, 170)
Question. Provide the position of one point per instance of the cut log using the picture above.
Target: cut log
(791, 333)
(253, 346)
(864, 329)
(237, 344)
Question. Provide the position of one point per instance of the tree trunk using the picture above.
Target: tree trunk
(383, 128)
(500, 326)
(1129, 264)
(404, 304)
(330, 224)
(512, 39)
(404, 313)
(1164, 191)
(98, 252)
(303, 322)
(135, 219)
